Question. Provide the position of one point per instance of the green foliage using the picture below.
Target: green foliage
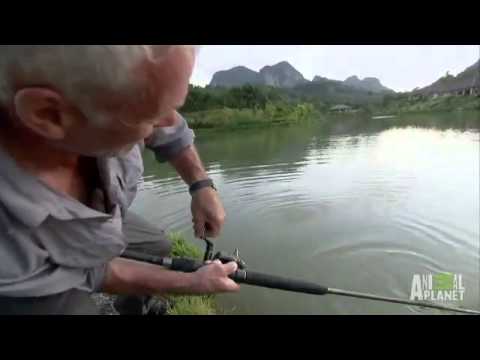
(182, 248)
(265, 106)
(193, 305)
(334, 92)
(207, 106)
(273, 114)
(247, 96)
(406, 103)
(244, 106)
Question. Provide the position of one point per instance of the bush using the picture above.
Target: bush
(274, 113)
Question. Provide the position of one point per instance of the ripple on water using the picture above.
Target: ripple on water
(438, 232)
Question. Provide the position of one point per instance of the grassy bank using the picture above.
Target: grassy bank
(285, 115)
(250, 106)
(447, 103)
(189, 305)
(271, 115)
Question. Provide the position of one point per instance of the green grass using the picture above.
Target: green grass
(182, 248)
(193, 305)
(189, 305)
(272, 115)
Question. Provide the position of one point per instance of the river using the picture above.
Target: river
(359, 204)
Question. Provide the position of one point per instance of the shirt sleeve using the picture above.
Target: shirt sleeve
(53, 279)
(27, 269)
(166, 142)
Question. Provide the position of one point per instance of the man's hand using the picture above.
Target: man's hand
(131, 277)
(213, 278)
(207, 209)
(207, 212)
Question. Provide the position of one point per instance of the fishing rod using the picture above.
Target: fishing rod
(244, 276)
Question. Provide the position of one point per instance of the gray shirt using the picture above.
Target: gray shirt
(50, 242)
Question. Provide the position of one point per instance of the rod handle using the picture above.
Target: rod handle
(277, 282)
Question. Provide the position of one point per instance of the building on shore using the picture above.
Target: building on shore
(341, 108)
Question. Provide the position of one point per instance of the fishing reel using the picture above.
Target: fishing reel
(222, 256)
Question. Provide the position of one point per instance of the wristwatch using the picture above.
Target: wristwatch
(197, 185)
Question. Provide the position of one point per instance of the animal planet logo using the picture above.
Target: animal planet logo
(439, 287)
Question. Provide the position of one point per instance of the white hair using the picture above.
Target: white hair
(79, 72)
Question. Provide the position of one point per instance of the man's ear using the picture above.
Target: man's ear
(43, 111)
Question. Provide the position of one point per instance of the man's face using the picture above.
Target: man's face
(137, 119)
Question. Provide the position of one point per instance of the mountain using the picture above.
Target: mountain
(290, 81)
(236, 76)
(284, 75)
(466, 79)
(281, 75)
(369, 83)
(318, 79)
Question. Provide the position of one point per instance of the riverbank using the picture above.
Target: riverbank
(271, 115)
(181, 305)
(448, 103)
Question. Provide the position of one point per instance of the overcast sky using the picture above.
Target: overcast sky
(399, 67)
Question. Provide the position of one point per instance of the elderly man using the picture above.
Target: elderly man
(73, 123)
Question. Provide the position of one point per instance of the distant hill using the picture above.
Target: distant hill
(282, 85)
(283, 75)
(237, 76)
(466, 79)
(369, 84)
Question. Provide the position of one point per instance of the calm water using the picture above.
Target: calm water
(359, 204)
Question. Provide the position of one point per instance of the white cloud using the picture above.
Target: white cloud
(400, 67)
